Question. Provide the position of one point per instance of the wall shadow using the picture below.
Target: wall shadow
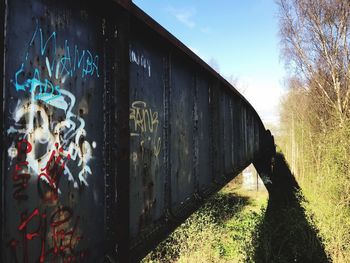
(285, 235)
(216, 210)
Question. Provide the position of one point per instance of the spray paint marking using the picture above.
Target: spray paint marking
(144, 123)
(62, 61)
(49, 148)
(50, 176)
(140, 60)
(20, 175)
(58, 240)
(67, 135)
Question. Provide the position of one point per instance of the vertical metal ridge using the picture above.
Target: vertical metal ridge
(3, 18)
(195, 136)
(211, 131)
(167, 133)
(110, 144)
(121, 133)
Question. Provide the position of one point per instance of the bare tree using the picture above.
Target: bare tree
(315, 38)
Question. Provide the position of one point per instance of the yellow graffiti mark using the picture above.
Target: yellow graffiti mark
(158, 147)
(144, 124)
(143, 118)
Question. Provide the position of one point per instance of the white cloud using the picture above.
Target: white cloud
(185, 16)
(264, 95)
(186, 19)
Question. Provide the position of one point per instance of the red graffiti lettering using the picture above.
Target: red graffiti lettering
(64, 241)
(57, 236)
(48, 180)
(19, 176)
(27, 148)
(56, 233)
(39, 232)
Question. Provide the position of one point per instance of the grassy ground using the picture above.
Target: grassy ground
(246, 226)
(221, 231)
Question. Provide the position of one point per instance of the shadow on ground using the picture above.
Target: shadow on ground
(224, 206)
(217, 210)
(285, 234)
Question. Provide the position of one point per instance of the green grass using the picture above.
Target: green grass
(322, 170)
(221, 231)
(241, 226)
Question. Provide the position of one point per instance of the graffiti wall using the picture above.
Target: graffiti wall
(53, 180)
(114, 132)
(146, 135)
(190, 133)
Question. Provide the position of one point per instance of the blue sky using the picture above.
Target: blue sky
(238, 38)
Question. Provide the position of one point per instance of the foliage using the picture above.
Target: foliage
(315, 114)
(321, 162)
(316, 47)
(221, 231)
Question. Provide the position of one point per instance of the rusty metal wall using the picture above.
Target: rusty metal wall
(191, 133)
(113, 132)
(52, 158)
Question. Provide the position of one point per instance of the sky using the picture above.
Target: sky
(238, 38)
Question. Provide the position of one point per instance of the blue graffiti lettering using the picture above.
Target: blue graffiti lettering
(44, 91)
(44, 46)
(91, 65)
(56, 67)
(76, 55)
(66, 61)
